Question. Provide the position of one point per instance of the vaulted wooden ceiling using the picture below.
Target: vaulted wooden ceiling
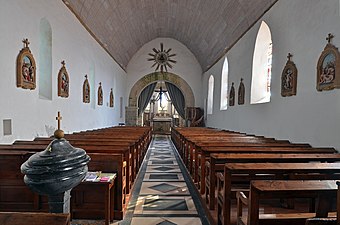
(207, 27)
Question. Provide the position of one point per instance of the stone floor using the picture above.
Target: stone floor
(163, 193)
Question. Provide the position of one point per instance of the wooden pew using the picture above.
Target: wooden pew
(202, 154)
(219, 141)
(88, 203)
(321, 221)
(113, 141)
(325, 191)
(191, 152)
(218, 161)
(142, 135)
(16, 196)
(140, 147)
(20, 198)
(195, 148)
(88, 147)
(19, 218)
(245, 172)
(131, 156)
(180, 136)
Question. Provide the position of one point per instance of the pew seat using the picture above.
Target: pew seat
(321, 221)
(290, 218)
(19, 218)
(325, 191)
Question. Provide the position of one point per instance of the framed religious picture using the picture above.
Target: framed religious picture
(232, 95)
(241, 93)
(63, 81)
(86, 91)
(111, 98)
(328, 68)
(26, 68)
(289, 78)
(100, 94)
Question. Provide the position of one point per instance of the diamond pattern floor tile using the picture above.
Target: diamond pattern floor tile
(164, 187)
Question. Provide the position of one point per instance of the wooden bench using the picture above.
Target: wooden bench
(202, 154)
(124, 146)
(325, 191)
(18, 197)
(140, 147)
(89, 148)
(19, 218)
(117, 146)
(218, 160)
(192, 155)
(180, 136)
(190, 151)
(94, 200)
(15, 195)
(235, 173)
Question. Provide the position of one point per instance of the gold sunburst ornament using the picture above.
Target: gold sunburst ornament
(162, 58)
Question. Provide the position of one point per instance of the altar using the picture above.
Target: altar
(161, 125)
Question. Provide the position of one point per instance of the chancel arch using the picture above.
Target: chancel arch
(132, 117)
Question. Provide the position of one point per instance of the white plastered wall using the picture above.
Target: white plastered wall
(32, 116)
(299, 27)
(187, 66)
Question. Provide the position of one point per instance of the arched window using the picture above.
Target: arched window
(45, 59)
(210, 95)
(262, 66)
(224, 85)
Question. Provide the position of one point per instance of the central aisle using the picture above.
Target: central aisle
(163, 193)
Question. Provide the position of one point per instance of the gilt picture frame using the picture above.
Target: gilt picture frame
(328, 68)
(26, 68)
(63, 81)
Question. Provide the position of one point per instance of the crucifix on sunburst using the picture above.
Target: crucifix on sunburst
(162, 58)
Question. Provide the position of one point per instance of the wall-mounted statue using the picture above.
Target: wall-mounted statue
(289, 78)
(232, 95)
(86, 91)
(111, 99)
(100, 94)
(241, 92)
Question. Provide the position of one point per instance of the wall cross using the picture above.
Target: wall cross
(289, 56)
(59, 118)
(330, 37)
(26, 43)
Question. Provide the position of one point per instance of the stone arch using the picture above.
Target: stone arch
(131, 117)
